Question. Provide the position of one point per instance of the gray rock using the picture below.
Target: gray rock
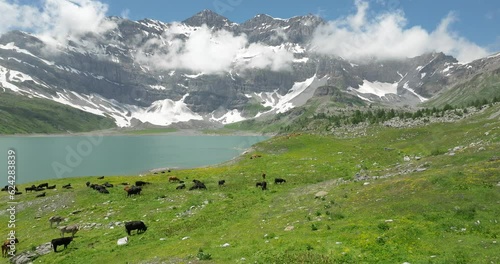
(30, 256)
(44, 249)
(320, 194)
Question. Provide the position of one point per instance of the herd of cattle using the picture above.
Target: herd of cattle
(102, 188)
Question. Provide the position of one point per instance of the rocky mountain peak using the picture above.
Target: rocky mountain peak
(209, 18)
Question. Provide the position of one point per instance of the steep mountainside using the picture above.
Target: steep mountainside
(210, 69)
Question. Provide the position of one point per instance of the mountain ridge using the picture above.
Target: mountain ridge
(128, 70)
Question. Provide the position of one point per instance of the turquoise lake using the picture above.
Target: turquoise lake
(48, 157)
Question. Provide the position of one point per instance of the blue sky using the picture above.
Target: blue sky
(477, 21)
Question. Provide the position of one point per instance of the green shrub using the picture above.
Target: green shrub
(203, 256)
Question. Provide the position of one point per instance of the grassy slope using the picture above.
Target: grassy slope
(21, 115)
(483, 86)
(446, 214)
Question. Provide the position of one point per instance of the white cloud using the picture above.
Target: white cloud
(208, 51)
(386, 36)
(55, 19)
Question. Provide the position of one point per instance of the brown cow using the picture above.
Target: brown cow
(8, 244)
(173, 179)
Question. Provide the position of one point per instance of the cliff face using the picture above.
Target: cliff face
(154, 72)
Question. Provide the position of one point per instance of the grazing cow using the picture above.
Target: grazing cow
(38, 189)
(100, 188)
(135, 225)
(124, 183)
(67, 186)
(173, 179)
(107, 184)
(32, 188)
(104, 190)
(8, 244)
(51, 187)
(55, 219)
(141, 183)
(100, 178)
(254, 156)
(132, 190)
(263, 176)
(181, 186)
(221, 182)
(87, 183)
(61, 241)
(279, 180)
(163, 172)
(169, 171)
(41, 195)
(264, 185)
(6, 188)
(69, 229)
(43, 185)
(155, 173)
(198, 185)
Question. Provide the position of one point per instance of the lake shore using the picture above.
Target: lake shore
(137, 132)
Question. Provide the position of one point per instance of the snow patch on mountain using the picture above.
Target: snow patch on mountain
(4, 81)
(407, 87)
(296, 96)
(165, 112)
(12, 46)
(379, 89)
(158, 87)
(229, 117)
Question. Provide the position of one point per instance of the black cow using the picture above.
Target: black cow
(135, 225)
(103, 190)
(258, 184)
(41, 195)
(264, 185)
(38, 189)
(32, 188)
(198, 185)
(87, 183)
(141, 183)
(100, 178)
(67, 186)
(6, 188)
(43, 185)
(279, 180)
(97, 187)
(133, 190)
(221, 182)
(51, 187)
(107, 184)
(181, 186)
(61, 241)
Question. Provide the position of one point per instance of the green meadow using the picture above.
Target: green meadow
(428, 194)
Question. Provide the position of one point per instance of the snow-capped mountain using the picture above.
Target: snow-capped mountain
(209, 68)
